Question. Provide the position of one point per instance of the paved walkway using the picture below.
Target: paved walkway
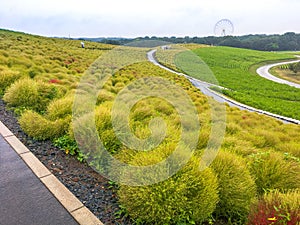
(264, 72)
(30, 194)
(24, 199)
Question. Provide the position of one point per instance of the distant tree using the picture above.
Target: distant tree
(187, 39)
(272, 47)
(292, 45)
(295, 67)
(289, 41)
(112, 42)
(232, 42)
(290, 35)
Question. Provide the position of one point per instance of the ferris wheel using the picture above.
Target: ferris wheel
(223, 27)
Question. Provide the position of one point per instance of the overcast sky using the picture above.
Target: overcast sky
(132, 18)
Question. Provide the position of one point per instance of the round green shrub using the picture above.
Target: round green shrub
(236, 186)
(272, 170)
(30, 94)
(276, 208)
(47, 93)
(22, 93)
(104, 96)
(190, 196)
(38, 127)
(7, 77)
(60, 108)
(102, 121)
(79, 130)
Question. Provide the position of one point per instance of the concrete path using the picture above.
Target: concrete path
(30, 194)
(264, 72)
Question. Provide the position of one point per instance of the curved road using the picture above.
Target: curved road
(264, 72)
(204, 88)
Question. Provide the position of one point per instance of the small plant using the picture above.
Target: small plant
(23, 93)
(122, 212)
(112, 184)
(105, 128)
(54, 81)
(105, 96)
(295, 67)
(276, 208)
(69, 146)
(60, 108)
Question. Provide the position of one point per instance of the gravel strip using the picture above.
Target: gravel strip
(93, 190)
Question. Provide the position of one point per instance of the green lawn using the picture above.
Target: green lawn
(233, 68)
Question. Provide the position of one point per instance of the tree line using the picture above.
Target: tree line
(289, 41)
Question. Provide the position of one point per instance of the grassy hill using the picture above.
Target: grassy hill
(258, 165)
(234, 69)
(46, 59)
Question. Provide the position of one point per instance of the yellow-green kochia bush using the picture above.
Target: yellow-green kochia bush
(30, 94)
(188, 196)
(23, 93)
(38, 127)
(273, 170)
(7, 77)
(236, 186)
(60, 108)
(103, 125)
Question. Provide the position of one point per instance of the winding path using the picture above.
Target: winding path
(264, 72)
(204, 88)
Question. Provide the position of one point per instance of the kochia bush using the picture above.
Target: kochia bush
(7, 77)
(189, 196)
(30, 94)
(236, 186)
(273, 171)
(38, 127)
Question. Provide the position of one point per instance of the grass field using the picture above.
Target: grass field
(258, 165)
(235, 69)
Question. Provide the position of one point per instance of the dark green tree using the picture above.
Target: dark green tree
(295, 67)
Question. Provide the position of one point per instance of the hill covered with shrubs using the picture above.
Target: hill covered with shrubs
(254, 179)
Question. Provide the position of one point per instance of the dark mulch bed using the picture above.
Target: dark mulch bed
(93, 190)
